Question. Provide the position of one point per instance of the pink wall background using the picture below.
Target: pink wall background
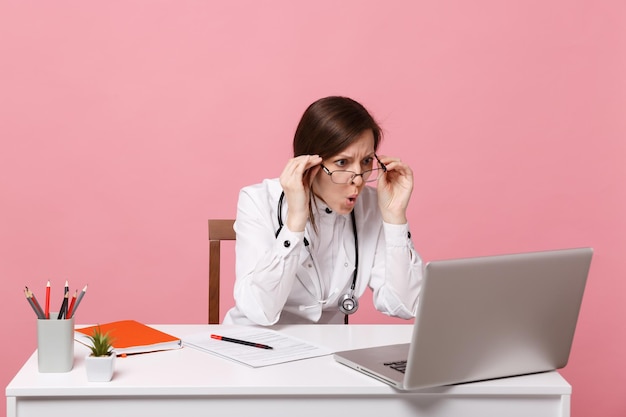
(125, 125)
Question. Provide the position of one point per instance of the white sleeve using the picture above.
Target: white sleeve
(401, 266)
(265, 265)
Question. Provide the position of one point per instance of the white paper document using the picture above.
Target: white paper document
(284, 348)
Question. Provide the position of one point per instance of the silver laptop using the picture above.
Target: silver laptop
(484, 318)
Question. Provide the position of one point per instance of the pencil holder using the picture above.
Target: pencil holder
(55, 344)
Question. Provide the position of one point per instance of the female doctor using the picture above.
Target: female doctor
(311, 242)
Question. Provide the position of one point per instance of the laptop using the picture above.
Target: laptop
(485, 318)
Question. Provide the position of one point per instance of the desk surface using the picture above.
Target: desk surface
(189, 373)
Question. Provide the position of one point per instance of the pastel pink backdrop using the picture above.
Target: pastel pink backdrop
(125, 125)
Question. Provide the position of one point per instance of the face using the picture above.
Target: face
(357, 157)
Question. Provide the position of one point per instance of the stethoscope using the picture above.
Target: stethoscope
(347, 303)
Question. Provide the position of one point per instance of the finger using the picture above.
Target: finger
(395, 164)
(304, 162)
(313, 160)
(295, 175)
(294, 165)
(385, 159)
(399, 168)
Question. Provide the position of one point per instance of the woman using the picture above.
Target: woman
(310, 243)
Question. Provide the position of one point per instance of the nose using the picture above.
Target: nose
(357, 179)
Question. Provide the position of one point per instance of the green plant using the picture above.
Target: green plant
(101, 343)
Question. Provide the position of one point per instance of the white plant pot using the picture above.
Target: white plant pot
(100, 369)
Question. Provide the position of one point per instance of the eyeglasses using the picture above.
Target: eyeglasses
(346, 177)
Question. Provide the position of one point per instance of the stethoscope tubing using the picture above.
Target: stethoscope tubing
(350, 294)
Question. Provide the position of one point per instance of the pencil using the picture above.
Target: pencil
(78, 300)
(66, 294)
(40, 312)
(71, 309)
(32, 304)
(47, 312)
(63, 308)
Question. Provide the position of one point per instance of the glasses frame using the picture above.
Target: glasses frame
(354, 174)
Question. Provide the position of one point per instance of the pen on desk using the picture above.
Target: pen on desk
(47, 312)
(241, 342)
(78, 300)
(39, 311)
(32, 304)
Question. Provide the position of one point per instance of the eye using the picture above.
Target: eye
(367, 162)
(341, 162)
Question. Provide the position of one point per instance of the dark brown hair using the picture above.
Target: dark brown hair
(330, 125)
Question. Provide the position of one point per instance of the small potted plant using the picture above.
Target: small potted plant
(101, 361)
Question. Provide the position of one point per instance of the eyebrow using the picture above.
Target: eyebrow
(344, 156)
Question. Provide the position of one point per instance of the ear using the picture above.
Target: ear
(310, 174)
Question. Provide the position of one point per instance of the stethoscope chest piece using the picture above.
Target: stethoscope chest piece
(348, 303)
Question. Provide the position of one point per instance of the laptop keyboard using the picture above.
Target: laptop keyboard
(399, 366)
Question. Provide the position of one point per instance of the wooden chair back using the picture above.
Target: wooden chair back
(219, 230)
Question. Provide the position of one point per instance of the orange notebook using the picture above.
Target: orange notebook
(130, 336)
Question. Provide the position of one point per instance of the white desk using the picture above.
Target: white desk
(187, 382)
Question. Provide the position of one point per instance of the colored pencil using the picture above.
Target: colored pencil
(40, 312)
(78, 300)
(66, 293)
(47, 312)
(71, 309)
(32, 304)
(63, 308)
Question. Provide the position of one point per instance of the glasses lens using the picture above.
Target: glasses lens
(372, 175)
(346, 177)
(341, 177)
